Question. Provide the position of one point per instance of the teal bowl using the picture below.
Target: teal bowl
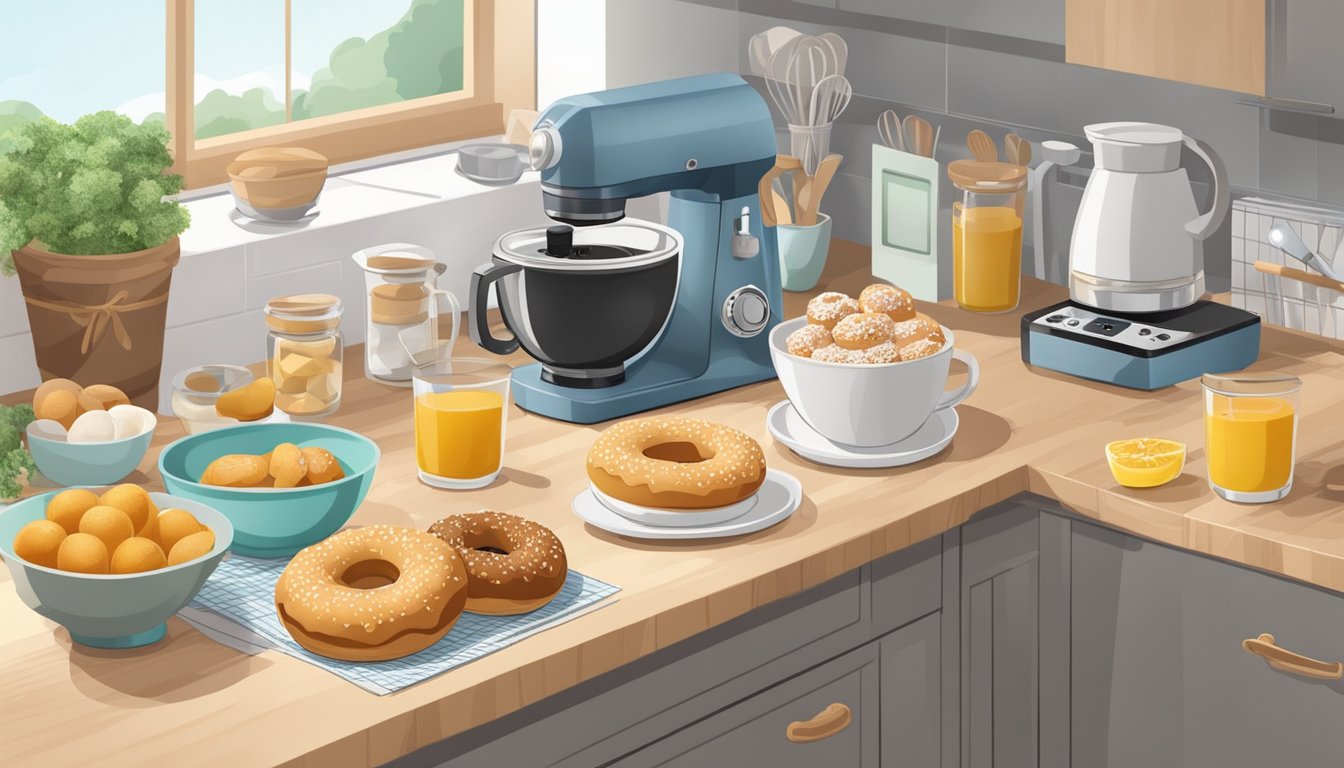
(88, 463)
(111, 611)
(274, 522)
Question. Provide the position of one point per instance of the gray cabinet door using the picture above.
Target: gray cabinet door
(753, 732)
(1028, 19)
(911, 695)
(1011, 556)
(1304, 51)
(1159, 674)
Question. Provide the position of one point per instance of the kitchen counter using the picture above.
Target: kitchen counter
(188, 700)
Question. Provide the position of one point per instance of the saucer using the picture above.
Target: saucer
(675, 518)
(789, 428)
(779, 497)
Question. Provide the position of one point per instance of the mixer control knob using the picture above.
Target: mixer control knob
(746, 311)
(544, 148)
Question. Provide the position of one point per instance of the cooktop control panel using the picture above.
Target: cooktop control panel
(1087, 323)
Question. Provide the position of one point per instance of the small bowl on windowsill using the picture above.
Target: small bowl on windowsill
(277, 184)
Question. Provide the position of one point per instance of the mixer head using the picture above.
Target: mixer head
(709, 134)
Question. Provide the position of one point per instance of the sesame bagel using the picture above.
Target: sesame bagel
(513, 565)
(372, 594)
(671, 462)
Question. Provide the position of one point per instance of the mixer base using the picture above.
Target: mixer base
(648, 384)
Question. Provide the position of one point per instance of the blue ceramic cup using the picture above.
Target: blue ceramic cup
(802, 252)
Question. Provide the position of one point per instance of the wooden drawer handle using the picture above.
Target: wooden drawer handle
(826, 724)
(1287, 661)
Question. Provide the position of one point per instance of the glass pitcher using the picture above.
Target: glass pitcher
(406, 308)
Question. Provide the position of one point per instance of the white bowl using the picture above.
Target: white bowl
(869, 405)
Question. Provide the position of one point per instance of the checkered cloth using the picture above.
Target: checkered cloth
(237, 607)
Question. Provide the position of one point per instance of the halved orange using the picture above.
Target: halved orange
(1145, 462)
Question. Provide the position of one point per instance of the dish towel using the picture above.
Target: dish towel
(236, 607)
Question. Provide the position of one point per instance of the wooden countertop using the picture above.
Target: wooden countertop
(190, 700)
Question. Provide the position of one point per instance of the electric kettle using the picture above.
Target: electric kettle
(1138, 239)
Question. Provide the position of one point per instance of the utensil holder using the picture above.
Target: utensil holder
(810, 143)
(1274, 285)
(802, 252)
(1283, 311)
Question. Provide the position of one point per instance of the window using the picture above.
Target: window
(348, 78)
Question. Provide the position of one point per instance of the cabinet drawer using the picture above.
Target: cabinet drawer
(634, 705)
(754, 732)
(907, 585)
(1160, 677)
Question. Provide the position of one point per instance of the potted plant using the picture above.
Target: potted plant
(85, 222)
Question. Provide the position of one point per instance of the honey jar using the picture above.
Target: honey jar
(304, 352)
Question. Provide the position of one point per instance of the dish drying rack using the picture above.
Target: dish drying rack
(1274, 285)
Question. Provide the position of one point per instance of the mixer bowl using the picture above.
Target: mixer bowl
(585, 315)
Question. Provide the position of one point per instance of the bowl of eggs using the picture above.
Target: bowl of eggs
(283, 486)
(87, 435)
(111, 564)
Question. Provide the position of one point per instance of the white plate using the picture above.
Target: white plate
(789, 428)
(674, 518)
(779, 497)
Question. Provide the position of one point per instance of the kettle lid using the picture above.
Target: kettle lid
(1133, 133)
(1135, 147)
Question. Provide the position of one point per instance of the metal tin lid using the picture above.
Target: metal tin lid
(628, 244)
(979, 176)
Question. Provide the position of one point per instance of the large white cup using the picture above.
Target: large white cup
(869, 405)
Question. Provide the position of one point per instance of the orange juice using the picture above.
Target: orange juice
(459, 434)
(986, 258)
(1249, 441)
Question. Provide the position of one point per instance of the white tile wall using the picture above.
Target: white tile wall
(1284, 301)
(227, 273)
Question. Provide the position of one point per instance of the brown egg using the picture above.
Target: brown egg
(85, 402)
(137, 555)
(134, 501)
(107, 395)
(38, 542)
(191, 547)
(61, 405)
(109, 524)
(175, 525)
(82, 553)
(151, 528)
(66, 507)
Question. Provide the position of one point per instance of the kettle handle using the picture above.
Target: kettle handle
(478, 321)
(1204, 225)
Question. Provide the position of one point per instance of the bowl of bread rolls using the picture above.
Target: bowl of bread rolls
(87, 435)
(283, 486)
(111, 564)
(868, 371)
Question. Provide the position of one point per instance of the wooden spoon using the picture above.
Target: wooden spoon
(809, 200)
(919, 135)
(1017, 149)
(982, 147)
(783, 164)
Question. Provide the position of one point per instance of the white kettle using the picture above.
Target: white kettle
(1138, 240)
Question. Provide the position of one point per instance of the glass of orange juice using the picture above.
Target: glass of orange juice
(461, 413)
(987, 234)
(1250, 435)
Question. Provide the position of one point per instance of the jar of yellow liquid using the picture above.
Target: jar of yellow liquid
(461, 415)
(987, 234)
(1250, 435)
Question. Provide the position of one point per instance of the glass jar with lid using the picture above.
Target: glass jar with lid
(987, 234)
(304, 352)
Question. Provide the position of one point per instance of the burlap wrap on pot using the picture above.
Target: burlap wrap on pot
(99, 319)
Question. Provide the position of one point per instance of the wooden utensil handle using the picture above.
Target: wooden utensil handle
(826, 724)
(1297, 274)
(1285, 660)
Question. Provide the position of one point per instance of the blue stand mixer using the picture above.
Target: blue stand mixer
(624, 315)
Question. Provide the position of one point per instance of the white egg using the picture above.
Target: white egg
(47, 429)
(93, 427)
(131, 420)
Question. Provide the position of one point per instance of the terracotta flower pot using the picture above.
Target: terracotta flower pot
(99, 319)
